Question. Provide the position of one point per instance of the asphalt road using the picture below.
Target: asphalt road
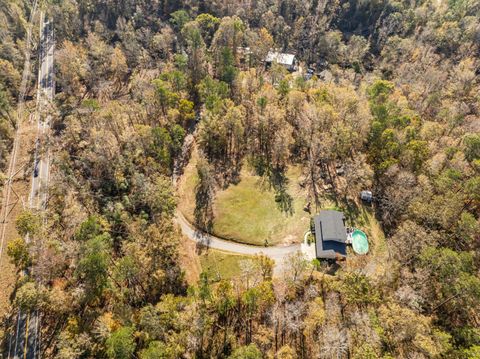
(24, 343)
(41, 166)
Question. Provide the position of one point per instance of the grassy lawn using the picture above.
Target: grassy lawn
(221, 265)
(247, 212)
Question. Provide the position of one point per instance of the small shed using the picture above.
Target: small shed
(330, 235)
(366, 196)
(287, 60)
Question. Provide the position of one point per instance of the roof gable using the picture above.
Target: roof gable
(330, 233)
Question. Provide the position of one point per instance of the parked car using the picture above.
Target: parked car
(35, 168)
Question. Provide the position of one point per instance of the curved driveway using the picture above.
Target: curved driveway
(278, 253)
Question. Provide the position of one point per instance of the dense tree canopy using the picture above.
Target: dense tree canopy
(392, 105)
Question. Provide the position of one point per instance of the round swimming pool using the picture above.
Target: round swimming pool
(359, 242)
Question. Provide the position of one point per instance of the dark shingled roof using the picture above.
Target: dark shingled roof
(330, 234)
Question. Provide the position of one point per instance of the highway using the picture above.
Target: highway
(25, 342)
(45, 94)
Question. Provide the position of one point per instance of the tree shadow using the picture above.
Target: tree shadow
(204, 197)
(203, 212)
(203, 215)
(342, 203)
(278, 182)
(203, 242)
(351, 210)
(228, 173)
(331, 267)
(284, 201)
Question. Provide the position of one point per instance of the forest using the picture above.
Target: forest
(394, 98)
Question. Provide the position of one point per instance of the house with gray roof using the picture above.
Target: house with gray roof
(330, 235)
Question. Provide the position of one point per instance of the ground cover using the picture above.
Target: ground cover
(247, 212)
(221, 265)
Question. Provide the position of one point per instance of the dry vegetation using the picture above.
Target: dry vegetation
(246, 212)
(393, 101)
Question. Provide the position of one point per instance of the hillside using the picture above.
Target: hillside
(249, 117)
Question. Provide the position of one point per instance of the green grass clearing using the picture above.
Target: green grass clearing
(247, 212)
(222, 265)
